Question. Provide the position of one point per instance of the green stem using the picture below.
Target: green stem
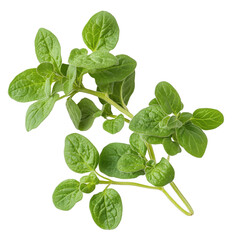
(156, 188)
(125, 119)
(129, 184)
(176, 204)
(150, 152)
(184, 200)
(107, 99)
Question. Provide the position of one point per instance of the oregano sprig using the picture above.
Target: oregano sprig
(162, 122)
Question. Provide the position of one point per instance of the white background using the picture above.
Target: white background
(195, 45)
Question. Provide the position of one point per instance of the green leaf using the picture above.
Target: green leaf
(147, 122)
(168, 98)
(88, 183)
(38, 111)
(89, 113)
(152, 139)
(137, 144)
(45, 69)
(71, 77)
(106, 208)
(122, 91)
(67, 194)
(171, 148)
(57, 87)
(27, 86)
(47, 48)
(161, 174)
(185, 117)
(207, 118)
(119, 72)
(74, 112)
(80, 154)
(96, 60)
(130, 163)
(115, 125)
(101, 32)
(64, 69)
(153, 102)
(106, 110)
(109, 158)
(170, 122)
(192, 139)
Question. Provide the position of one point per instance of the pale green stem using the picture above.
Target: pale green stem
(150, 187)
(150, 152)
(107, 99)
(125, 119)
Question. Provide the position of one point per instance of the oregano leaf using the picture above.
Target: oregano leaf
(67, 194)
(74, 112)
(106, 209)
(115, 125)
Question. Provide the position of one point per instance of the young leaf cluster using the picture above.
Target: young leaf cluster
(163, 122)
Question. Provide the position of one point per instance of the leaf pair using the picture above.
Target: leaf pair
(82, 114)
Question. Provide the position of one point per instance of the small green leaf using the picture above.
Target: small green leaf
(88, 183)
(64, 69)
(80, 154)
(109, 158)
(106, 110)
(161, 174)
(89, 113)
(45, 69)
(153, 102)
(70, 79)
(168, 98)
(119, 72)
(38, 111)
(115, 125)
(130, 163)
(96, 60)
(185, 117)
(147, 122)
(122, 91)
(170, 122)
(27, 86)
(74, 112)
(57, 87)
(47, 48)
(207, 118)
(106, 209)
(192, 139)
(101, 32)
(171, 148)
(137, 144)
(67, 194)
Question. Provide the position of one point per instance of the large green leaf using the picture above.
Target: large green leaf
(89, 113)
(192, 139)
(80, 154)
(38, 111)
(118, 72)
(27, 86)
(101, 32)
(67, 194)
(207, 118)
(74, 112)
(47, 48)
(168, 98)
(109, 158)
(137, 144)
(96, 60)
(147, 122)
(114, 125)
(130, 163)
(106, 208)
(161, 174)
